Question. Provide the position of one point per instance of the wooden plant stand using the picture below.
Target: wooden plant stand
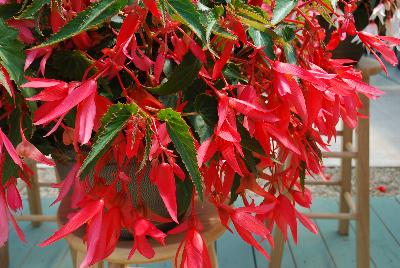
(206, 212)
(348, 209)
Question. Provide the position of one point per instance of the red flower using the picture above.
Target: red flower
(381, 188)
(5, 214)
(194, 251)
(13, 196)
(285, 214)
(382, 44)
(33, 54)
(142, 228)
(10, 149)
(28, 150)
(246, 224)
(162, 175)
(61, 97)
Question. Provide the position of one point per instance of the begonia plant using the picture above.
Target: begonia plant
(228, 102)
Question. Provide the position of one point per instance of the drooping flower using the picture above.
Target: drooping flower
(142, 228)
(25, 149)
(378, 11)
(383, 45)
(61, 97)
(90, 210)
(193, 247)
(5, 216)
(246, 224)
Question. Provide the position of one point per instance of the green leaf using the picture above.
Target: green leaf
(8, 11)
(249, 142)
(206, 106)
(12, 56)
(250, 161)
(190, 94)
(235, 186)
(251, 15)
(30, 11)
(209, 19)
(282, 9)
(3, 82)
(183, 141)
(68, 65)
(262, 39)
(169, 101)
(290, 53)
(287, 33)
(188, 14)
(232, 72)
(113, 122)
(94, 15)
(162, 6)
(147, 148)
(202, 129)
(181, 78)
(10, 169)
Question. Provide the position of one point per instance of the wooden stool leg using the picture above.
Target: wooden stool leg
(362, 184)
(79, 259)
(213, 255)
(345, 181)
(277, 252)
(117, 265)
(35, 207)
(81, 256)
(74, 254)
(4, 257)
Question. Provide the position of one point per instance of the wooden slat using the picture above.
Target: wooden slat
(362, 185)
(35, 206)
(349, 201)
(287, 257)
(19, 251)
(336, 216)
(46, 184)
(339, 154)
(345, 174)
(36, 218)
(323, 182)
(279, 247)
(368, 66)
(156, 265)
(4, 256)
(65, 261)
(310, 251)
(385, 251)
(341, 247)
(385, 209)
(230, 245)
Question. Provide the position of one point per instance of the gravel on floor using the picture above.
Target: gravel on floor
(388, 177)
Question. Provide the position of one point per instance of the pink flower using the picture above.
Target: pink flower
(24, 27)
(371, 28)
(5, 216)
(33, 54)
(379, 11)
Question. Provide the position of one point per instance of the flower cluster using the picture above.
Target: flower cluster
(230, 101)
(387, 14)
